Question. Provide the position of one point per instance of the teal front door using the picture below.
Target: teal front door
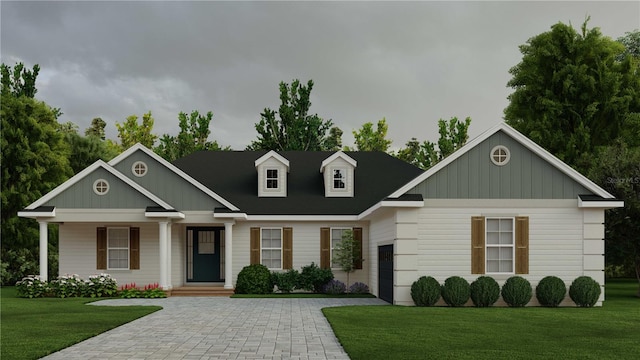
(205, 261)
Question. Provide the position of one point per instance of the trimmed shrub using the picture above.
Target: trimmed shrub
(359, 288)
(425, 291)
(312, 278)
(517, 291)
(68, 286)
(485, 291)
(455, 291)
(550, 291)
(102, 285)
(335, 287)
(254, 279)
(32, 287)
(285, 281)
(584, 291)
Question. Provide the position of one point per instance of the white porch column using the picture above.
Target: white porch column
(163, 254)
(169, 240)
(44, 247)
(228, 255)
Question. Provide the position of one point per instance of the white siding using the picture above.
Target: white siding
(556, 242)
(382, 231)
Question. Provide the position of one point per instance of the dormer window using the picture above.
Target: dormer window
(339, 173)
(272, 171)
(272, 178)
(339, 179)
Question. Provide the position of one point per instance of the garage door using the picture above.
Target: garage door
(385, 273)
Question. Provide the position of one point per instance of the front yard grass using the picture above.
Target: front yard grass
(300, 296)
(33, 328)
(398, 332)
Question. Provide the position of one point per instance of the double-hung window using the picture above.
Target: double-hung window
(118, 248)
(500, 245)
(339, 179)
(337, 234)
(272, 179)
(271, 248)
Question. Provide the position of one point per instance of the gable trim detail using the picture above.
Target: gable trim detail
(171, 167)
(82, 174)
(524, 141)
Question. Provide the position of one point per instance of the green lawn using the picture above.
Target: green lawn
(300, 296)
(398, 332)
(32, 328)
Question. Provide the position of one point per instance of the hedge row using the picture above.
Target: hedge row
(516, 291)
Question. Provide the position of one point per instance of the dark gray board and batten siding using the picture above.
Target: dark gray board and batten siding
(474, 176)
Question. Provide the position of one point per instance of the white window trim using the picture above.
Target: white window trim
(265, 248)
(345, 179)
(95, 187)
(331, 244)
(507, 155)
(499, 246)
(135, 164)
(267, 178)
(120, 248)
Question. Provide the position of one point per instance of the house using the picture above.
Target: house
(501, 205)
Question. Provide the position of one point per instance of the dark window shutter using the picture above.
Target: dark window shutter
(134, 248)
(287, 248)
(477, 245)
(325, 248)
(255, 245)
(357, 237)
(522, 245)
(101, 257)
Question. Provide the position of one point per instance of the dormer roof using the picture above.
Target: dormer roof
(274, 155)
(336, 155)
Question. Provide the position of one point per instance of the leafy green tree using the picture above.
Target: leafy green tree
(193, 136)
(130, 132)
(96, 129)
(453, 135)
(347, 253)
(571, 94)
(617, 169)
(368, 139)
(85, 150)
(33, 155)
(294, 128)
(334, 140)
(631, 42)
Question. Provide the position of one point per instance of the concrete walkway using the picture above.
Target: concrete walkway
(219, 328)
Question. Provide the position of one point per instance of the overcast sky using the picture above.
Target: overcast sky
(411, 62)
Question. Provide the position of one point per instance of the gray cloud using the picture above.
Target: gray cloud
(411, 62)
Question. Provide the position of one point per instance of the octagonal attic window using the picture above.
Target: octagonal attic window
(500, 155)
(139, 168)
(101, 187)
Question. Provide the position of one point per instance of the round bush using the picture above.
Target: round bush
(485, 291)
(425, 291)
(285, 281)
(455, 291)
(584, 291)
(359, 288)
(550, 291)
(517, 291)
(254, 279)
(335, 287)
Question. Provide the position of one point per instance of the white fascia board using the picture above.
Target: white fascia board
(164, 214)
(37, 214)
(338, 154)
(171, 167)
(390, 204)
(526, 142)
(82, 174)
(292, 218)
(230, 216)
(275, 155)
(600, 204)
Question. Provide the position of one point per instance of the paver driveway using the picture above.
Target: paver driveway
(219, 328)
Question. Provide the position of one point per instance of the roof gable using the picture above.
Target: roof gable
(437, 172)
(139, 147)
(136, 196)
(272, 155)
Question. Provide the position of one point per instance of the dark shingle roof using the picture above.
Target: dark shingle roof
(232, 175)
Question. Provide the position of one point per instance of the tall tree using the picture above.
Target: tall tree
(453, 135)
(193, 136)
(368, 139)
(33, 154)
(85, 150)
(334, 140)
(294, 128)
(130, 132)
(631, 43)
(96, 129)
(571, 94)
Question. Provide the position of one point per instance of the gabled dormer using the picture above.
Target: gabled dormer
(272, 175)
(338, 172)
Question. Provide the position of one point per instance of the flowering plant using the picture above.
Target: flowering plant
(67, 286)
(102, 285)
(129, 291)
(32, 287)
